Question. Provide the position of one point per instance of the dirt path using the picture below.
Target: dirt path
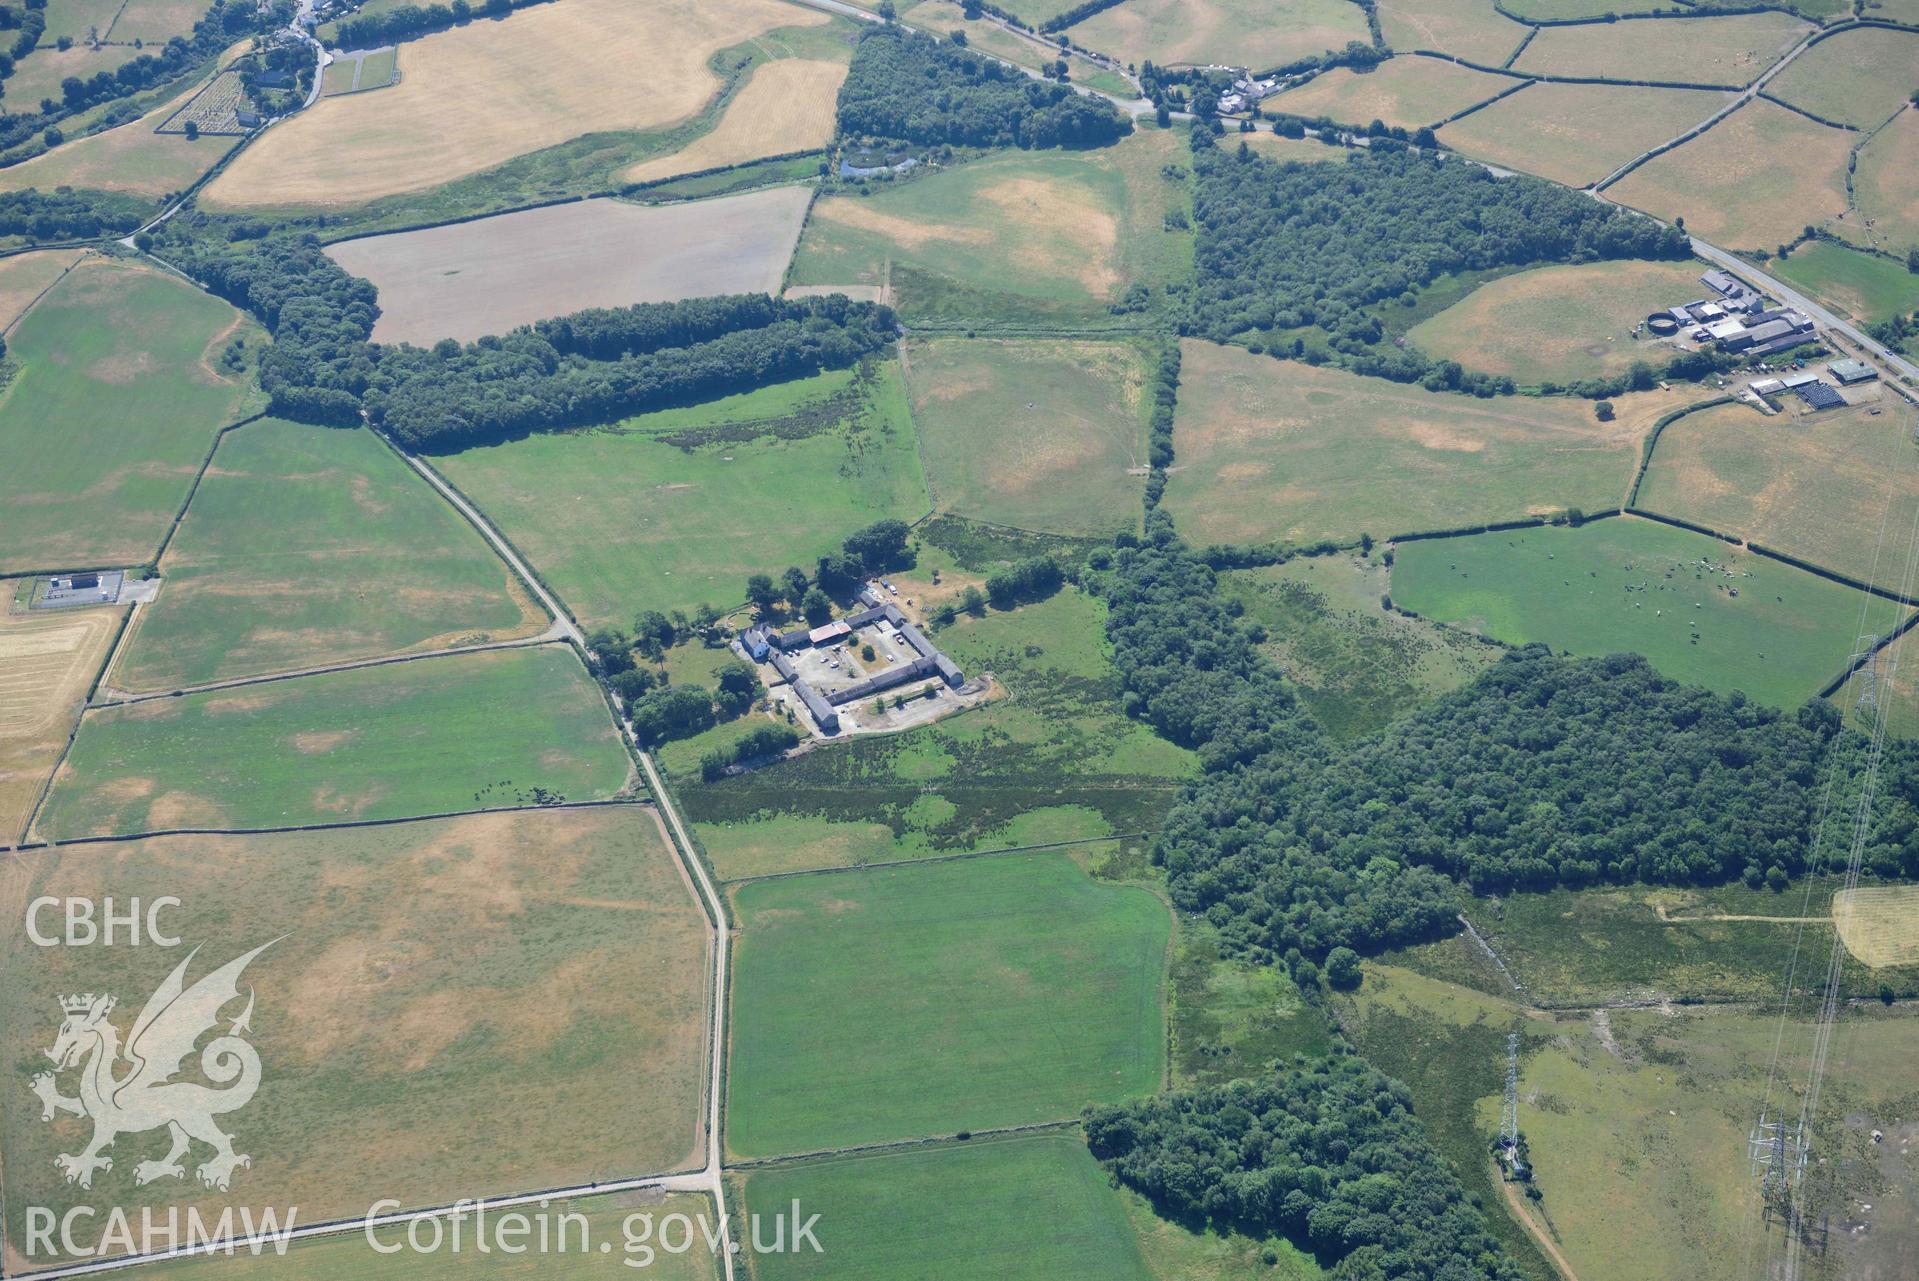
(1521, 1211)
(1660, 908)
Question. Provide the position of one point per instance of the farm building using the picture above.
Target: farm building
(1851, 371)
(762, 644)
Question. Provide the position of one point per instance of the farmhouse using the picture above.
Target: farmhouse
(787, 653)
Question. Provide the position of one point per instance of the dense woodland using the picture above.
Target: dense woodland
(1327, 1154)
(1289, 246)
(914, 89)
(587, 368)
(1546, 771)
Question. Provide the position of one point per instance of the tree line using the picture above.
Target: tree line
(912, 88)
(592, 367)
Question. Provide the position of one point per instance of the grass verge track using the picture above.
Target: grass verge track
(314, 545)
(903, 1002)
(432, 736)
(460, 1007)
(1702, 610)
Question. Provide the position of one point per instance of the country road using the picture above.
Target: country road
(561, 618)
(1792, 297)
(713, 1176)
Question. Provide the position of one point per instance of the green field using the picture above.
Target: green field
(1276, 450)
(1355, 665)
(608, 1217)
(1013, 238)
(118, 398)
(1056, 759)
(677, 508)
(1026, 1209)
(1578, 133)
(1560, 324)
(905, 1002)
(1408, 93)
(1864, 286)
(1703, 611)
(1855, 78)
(1040, 434)
(310, 545)
(1833, 488)
(451, 1008)
(432, 736)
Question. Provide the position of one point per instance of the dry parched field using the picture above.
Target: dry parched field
(47, 661)
(1470, 29)
(1407, 92)
(451, 1008)
(484, 93)
(785, 106)
(1562, 323)
(1749, 182)
(1578, 134)
(1879, 925)
(1888, 183)
(1034, 433)
(1718, 51)
(1252, 33)
(1822, 488)
(1856, 77)
(470, 279)
(1274, 450)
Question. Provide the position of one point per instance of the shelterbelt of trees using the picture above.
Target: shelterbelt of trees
(1327, 1154)
(1546, 771)
(1285, 246)
(590, 367)
(912, 88)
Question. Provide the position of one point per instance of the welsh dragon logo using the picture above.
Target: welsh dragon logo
(145, 1096)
